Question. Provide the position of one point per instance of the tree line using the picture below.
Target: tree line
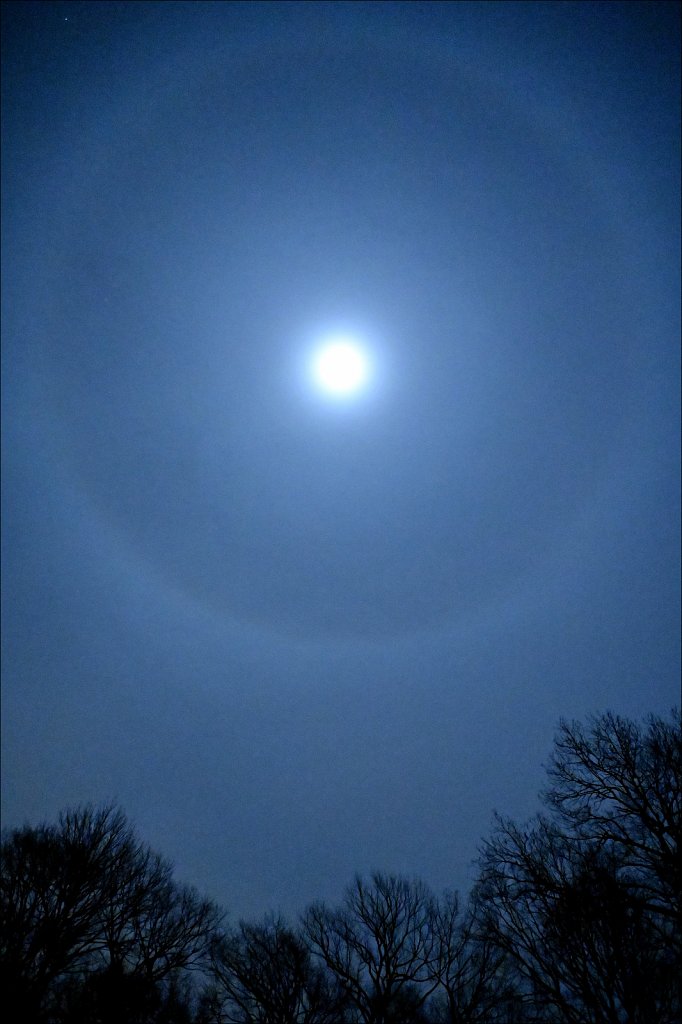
(574, 918)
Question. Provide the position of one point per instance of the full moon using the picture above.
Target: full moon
(340, 367)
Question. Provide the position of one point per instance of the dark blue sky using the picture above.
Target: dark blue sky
(298, 638)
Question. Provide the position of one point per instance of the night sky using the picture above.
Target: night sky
(295, 634)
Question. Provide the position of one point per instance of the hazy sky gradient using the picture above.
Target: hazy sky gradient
(296, 638)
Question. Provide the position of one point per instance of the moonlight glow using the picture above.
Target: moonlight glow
(340, 367)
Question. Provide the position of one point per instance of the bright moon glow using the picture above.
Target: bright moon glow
(340, 367)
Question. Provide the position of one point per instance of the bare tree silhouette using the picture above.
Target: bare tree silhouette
(86, 896)
(381, 946)
(583, 898)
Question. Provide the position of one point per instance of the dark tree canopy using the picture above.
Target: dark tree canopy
(85, 897)
(475, 977)
(574, 918)
(380, 945)
(619, 785)
(584, 899)
(264, 974)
